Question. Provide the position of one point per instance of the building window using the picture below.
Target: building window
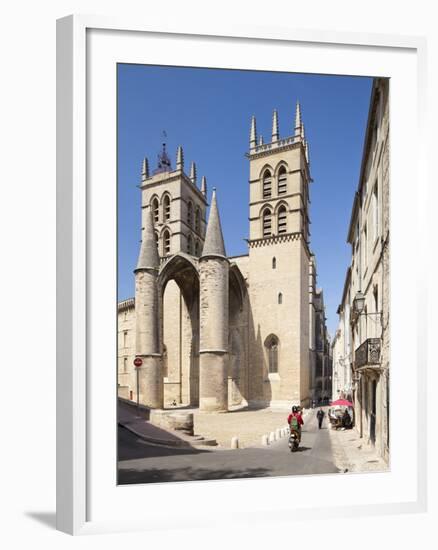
(189, 245)
(196, 248)
(190, 214)
(156, 239)
(267, 184)
(125, 364)
(267, 223)
(274, 263)
(375, 202)
(125, 338)
(280, 298)
(282, 220)
(166, 208)
(272, 350)
(155, 210)
(282, 181)
(365, 247)
(356, 235)
(198, 220)
(166, 242)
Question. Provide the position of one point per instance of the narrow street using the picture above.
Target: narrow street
(141, 462)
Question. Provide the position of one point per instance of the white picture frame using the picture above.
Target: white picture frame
(86, 500)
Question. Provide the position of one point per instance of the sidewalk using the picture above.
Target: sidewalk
(351, 453)
(248, 425)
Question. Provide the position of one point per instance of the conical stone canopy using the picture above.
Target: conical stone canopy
(214, 240)
(148, 257)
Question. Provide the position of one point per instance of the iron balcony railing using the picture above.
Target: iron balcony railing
(368, 353)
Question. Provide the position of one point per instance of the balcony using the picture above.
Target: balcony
(368, 353)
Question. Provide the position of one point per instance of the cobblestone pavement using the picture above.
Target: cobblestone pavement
(248, 425)
(351, 453)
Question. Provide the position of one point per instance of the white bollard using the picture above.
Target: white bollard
(271, 437)
(265, 440)
(234, 442)
(278, 433)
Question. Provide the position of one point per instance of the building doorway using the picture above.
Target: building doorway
(373, 412)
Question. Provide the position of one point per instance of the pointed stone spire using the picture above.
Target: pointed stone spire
(253, 133)
(306, 147)
(214, 240)
(261, 140)
(204, 186)
(179, 158)
(298, 120)
(148, 257)
(145, 169)
(275, 132)
(193, 172)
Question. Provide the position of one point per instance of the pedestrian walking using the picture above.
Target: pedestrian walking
(320, 416)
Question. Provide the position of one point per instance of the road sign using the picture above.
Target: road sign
(138, 362)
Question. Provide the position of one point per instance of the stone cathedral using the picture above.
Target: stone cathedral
(219, 332)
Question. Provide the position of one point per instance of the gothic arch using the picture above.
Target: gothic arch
(178, 283)
(163, 229)
(165, 234)
(190, 212)
(166, 193)
(281, 163)
(263, 170)
(266, 221)
(180, 267)
(279, 205)
(267, 180)
(198, 217)
(272, 347)
(237, 282)
(263, 208)
(166, 200)
(154, 205)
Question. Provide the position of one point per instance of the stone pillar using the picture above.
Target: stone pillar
(147, 338)
(213, 337)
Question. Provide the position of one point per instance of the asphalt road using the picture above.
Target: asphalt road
(140, 462)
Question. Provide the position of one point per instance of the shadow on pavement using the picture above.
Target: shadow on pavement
(128, 476)
(132, 447)
(302, 449)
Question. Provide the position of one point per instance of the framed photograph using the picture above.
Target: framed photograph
(235, 207)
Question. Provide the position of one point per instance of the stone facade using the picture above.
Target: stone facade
(215, 331)
(363, 340)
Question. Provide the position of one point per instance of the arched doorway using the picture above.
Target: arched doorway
(179, 293)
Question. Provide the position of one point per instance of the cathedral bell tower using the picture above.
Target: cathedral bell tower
(178, 205)
(279, 263)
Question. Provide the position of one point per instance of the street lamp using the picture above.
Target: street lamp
(359, 306)
(359, 302)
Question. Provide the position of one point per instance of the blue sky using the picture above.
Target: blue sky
(208, 112)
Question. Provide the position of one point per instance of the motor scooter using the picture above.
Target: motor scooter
(294, 441)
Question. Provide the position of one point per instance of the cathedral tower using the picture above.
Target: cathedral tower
(178, 205)
(279, 264)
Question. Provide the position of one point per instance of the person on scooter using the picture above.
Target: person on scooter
(295, 421)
